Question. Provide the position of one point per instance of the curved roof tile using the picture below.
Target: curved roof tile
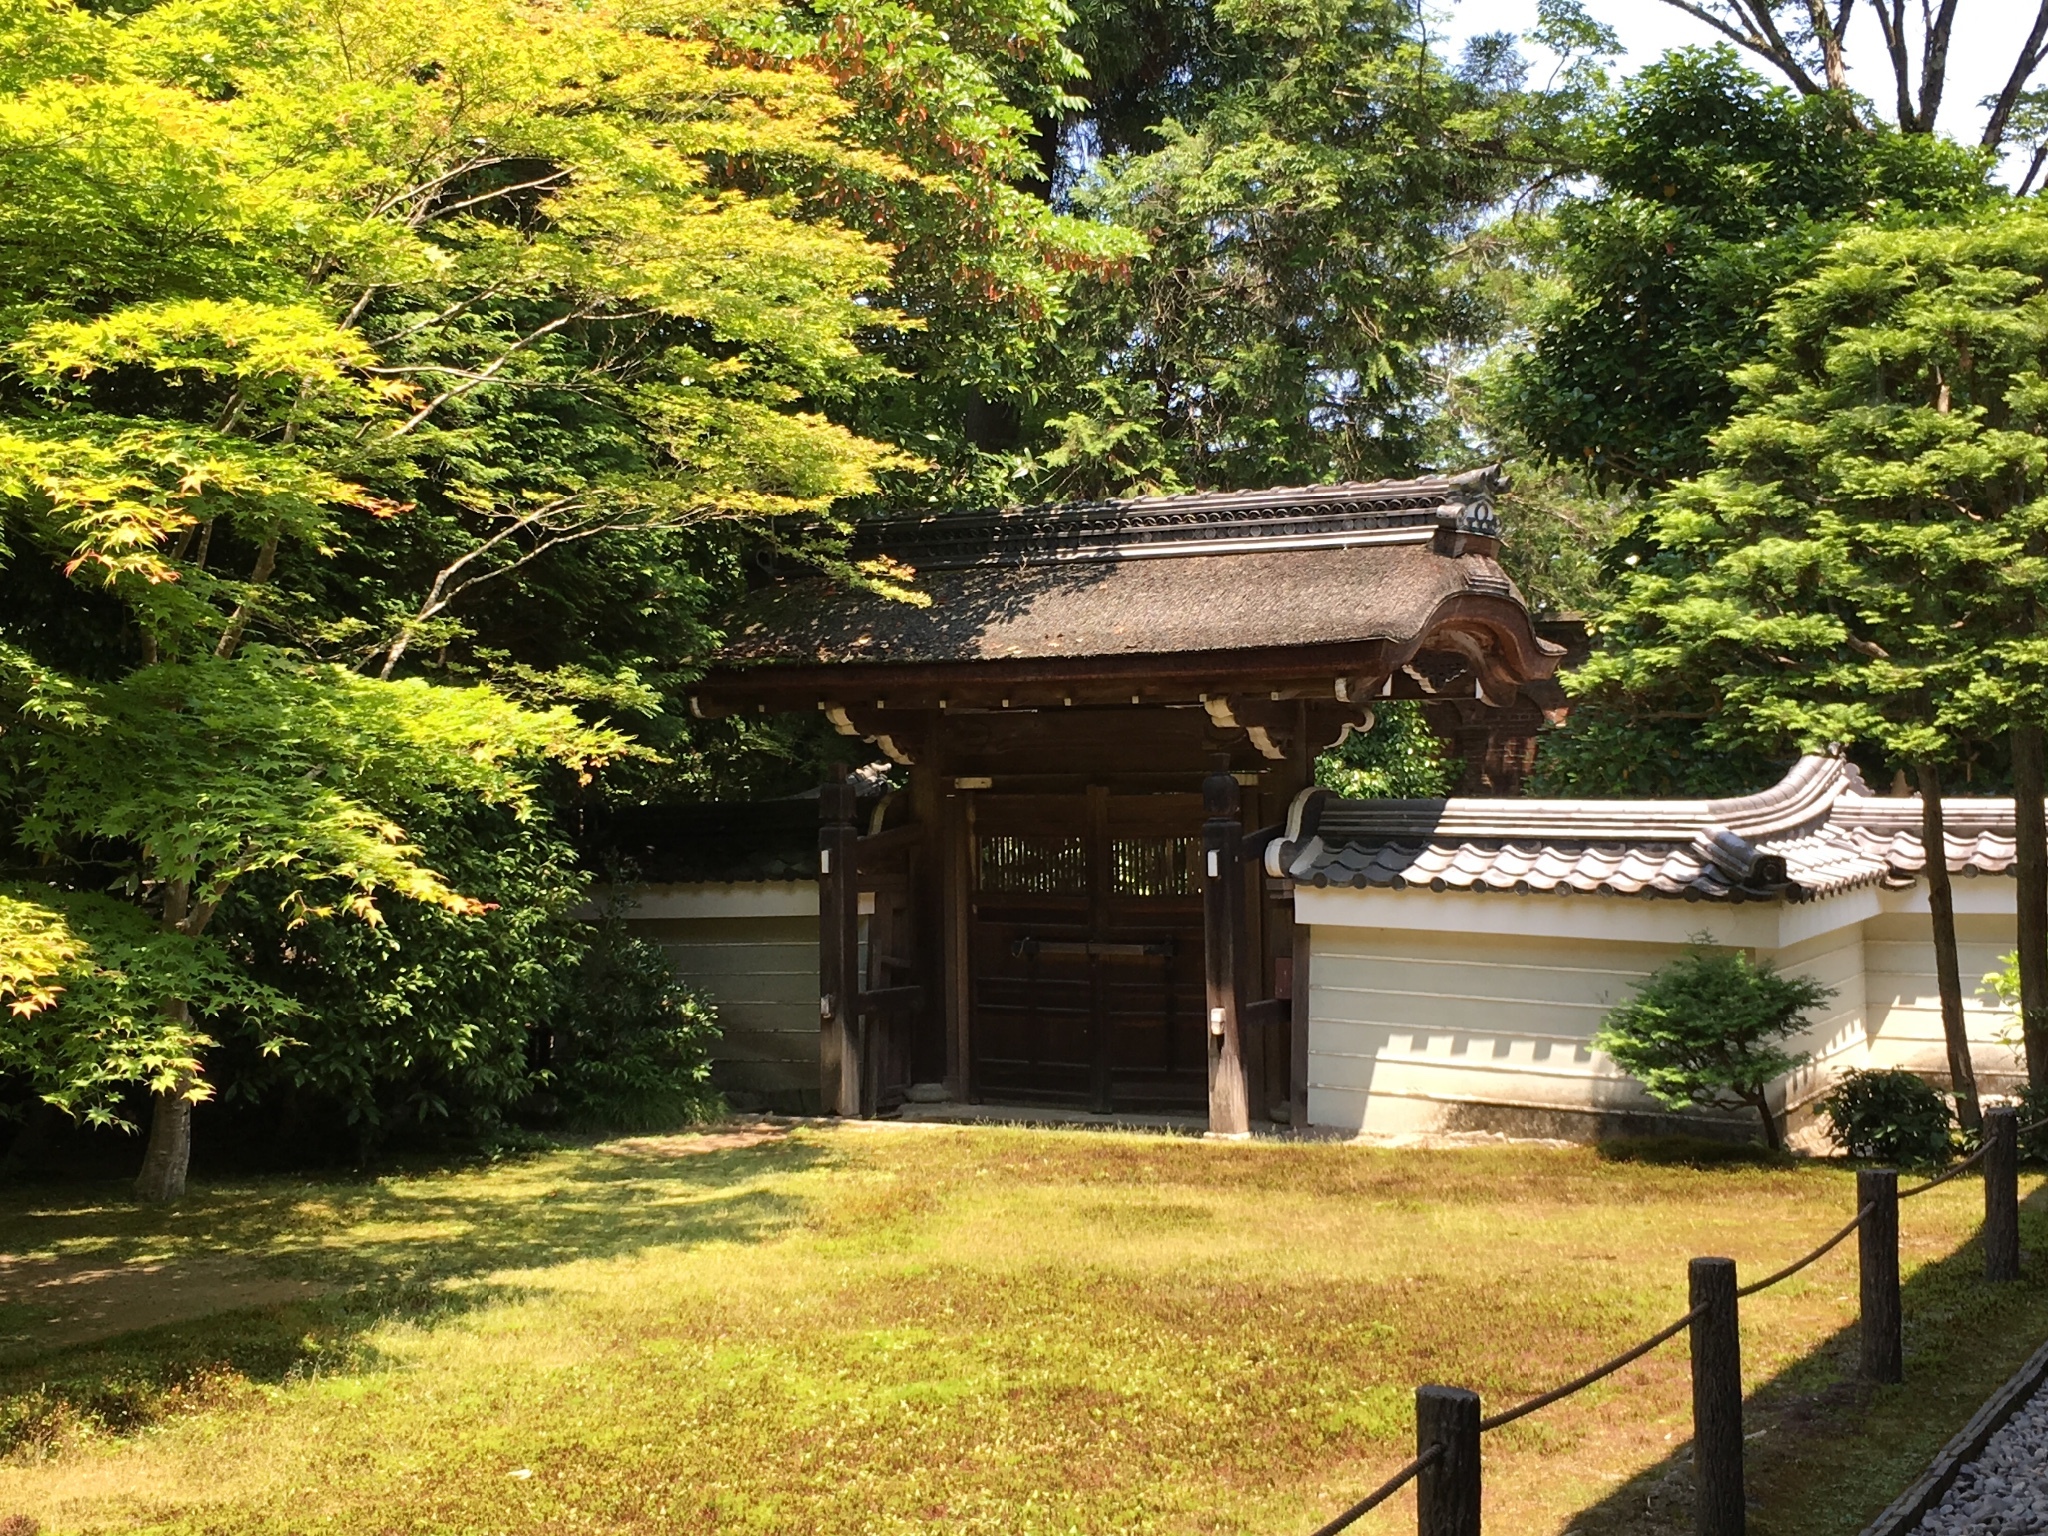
(1817, 832)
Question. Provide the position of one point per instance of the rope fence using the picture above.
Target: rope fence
(1964, 1166)
(1448, 1425)
(1798, 1264)
(1385, 1491)
(1580, 1383)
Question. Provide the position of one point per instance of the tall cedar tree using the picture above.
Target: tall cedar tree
(1714, 190)
(1312, 178)
(1867, 561)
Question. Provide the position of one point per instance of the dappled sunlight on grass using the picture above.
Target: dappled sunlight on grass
(882, 1330)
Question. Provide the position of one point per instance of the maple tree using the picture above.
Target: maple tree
(318, 320)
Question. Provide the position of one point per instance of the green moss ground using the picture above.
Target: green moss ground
(883, 1330)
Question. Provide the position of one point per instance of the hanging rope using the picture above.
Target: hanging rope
(1384, 1492)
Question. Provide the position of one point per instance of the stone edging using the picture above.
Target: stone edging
(1907, 1510)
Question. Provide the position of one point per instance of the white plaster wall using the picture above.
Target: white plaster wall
(753, 949)
(1405, 1025)
(1423, 1003)
(1839, 1038)
(1905, 1001)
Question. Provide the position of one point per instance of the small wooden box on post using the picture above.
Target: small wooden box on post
(1222, 925)
(839, 1066)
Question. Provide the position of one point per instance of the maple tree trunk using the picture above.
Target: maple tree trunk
(1941, 906)
(2031, 829)
(238, 622)
(169, 1152)
(162, 1179)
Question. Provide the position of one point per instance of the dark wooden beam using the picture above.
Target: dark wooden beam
(873, 851)
(958, 887)
(839, 980)
(1222, 925)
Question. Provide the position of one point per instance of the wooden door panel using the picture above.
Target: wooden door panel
(1033, 1013)
(1086, 951)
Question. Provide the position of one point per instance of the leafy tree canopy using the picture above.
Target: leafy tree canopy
(1312, 187)
(1867, 561)
(335, 340)
(1714, 191)
(1400, 758)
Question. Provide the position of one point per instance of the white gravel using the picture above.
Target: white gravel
(2004, 1492)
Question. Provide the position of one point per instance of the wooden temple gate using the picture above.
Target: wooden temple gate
(1101, 718)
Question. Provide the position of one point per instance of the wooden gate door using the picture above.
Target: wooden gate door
(1085, 951)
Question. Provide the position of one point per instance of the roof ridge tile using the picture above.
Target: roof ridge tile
(1816, 832)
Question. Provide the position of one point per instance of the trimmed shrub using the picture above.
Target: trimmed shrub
(1891, 1116)
(1706, 1030)
(630, 1045)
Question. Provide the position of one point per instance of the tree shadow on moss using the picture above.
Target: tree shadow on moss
(415, 1250)
(1827, 1451)
(1693, 1152)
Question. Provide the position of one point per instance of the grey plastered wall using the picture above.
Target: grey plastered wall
(757, 960)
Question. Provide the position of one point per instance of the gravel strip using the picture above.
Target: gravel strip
(2004, 1492)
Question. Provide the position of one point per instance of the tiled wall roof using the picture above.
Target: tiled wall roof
(1817, 832)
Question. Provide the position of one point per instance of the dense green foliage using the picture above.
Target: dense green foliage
(83, 987)
(1714, 190)
(1312, 179)
(388, 393)
(1866, 562)
(1891, 1117)
(1708, 1029)
(434, 1025)
(1400, 758)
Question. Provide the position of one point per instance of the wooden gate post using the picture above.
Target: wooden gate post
(2001, 1194)
(1447, 1490)
(1877, 1250)
(1719, 1508)
(839, 1066)
(1222, 923)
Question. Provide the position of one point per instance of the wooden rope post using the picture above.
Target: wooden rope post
(2001, 1194)
(1877, 1247)
(1222, 927)
(839, 979)
(1719, 1508)
(1447, 1490)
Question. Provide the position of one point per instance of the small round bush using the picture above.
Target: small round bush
(1893, 1117)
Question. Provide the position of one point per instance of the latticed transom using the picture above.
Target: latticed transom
(1034, 866)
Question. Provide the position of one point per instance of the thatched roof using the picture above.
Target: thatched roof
(1310, 566)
